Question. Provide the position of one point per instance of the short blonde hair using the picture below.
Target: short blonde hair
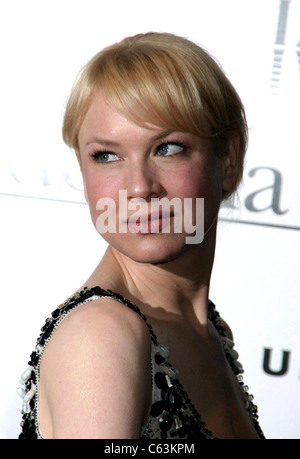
(164, 80)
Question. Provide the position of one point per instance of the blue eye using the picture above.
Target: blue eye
(169, 149)
(104, 157)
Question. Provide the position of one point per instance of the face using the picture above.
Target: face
(147, 164)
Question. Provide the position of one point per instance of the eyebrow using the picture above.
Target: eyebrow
(111, 143)
(102, 142)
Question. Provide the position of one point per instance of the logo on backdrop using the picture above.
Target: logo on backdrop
(281, 48)
(283, 367)
(271, 201)
(279, 363)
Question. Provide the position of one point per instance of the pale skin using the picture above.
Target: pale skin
(95, 372)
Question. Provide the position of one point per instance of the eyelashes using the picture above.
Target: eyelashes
(166, 149)
(170, 148)
(104, 156)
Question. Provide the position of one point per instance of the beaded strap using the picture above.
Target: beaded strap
(172, 413)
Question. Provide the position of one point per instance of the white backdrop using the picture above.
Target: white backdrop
(48, 245)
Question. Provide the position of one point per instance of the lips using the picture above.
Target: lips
(149, 217)
(148, 224)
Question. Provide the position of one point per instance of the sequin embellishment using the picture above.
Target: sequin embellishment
(172, 413)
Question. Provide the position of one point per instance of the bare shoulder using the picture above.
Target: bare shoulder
(97, 325)
(106, 315)
(97, 365)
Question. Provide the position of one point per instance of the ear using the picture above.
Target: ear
(230, 165)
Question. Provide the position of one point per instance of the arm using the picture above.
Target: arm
(96, 374)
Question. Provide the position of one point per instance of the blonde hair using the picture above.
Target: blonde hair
(164, 80)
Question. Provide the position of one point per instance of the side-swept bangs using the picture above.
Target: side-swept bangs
(163, 80)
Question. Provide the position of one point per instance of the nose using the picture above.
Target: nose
(143, 181)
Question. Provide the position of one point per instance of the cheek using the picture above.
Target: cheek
(97, 187)
(196, 181)
(201, 181)
(101, 183)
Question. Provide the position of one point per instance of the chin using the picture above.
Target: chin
(151, 249)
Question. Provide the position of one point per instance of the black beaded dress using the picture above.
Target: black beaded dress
(172, 414)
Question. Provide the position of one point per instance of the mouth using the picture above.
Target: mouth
(149, 224)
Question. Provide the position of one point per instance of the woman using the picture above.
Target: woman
(140, 351)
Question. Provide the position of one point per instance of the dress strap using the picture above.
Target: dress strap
(83, 296)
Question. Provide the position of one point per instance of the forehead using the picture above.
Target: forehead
(103, 121)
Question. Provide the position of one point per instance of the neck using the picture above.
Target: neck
(176, 288)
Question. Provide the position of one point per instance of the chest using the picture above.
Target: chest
(208, 380)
